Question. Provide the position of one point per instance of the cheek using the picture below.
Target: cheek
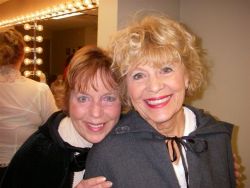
(114, 112)
(76, 110)
(134, 91)
(179, 83)
(179, 89)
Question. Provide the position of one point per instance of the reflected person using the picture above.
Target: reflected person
(25, 104)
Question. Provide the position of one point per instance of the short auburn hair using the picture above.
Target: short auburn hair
(83, 69)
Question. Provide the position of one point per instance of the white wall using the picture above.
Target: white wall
(107, 21)
(128, 8)
(114, 14)
(224, 26)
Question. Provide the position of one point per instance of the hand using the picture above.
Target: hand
(237, 170)
(97, 182)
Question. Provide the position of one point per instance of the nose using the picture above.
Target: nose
(155, 84)
(96, 109)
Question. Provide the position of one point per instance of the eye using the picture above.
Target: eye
(166, 70)
(82, 98)
(137, 76)
(109, 98)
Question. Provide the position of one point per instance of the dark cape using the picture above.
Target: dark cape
(45, 160)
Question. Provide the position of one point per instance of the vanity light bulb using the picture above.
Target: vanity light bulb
(78, 4)
(26, 73)
(39, 61)
(39, 50)
(61, 7)
(38, 73)
(39, 38)
(88, 3)
(70, 6)
(27, 26)
(27, 38)
(27, 49)
(39, 27)
(27, 61)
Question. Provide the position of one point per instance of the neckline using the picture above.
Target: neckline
(9, 74)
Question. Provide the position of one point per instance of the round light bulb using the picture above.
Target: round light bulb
(38, 73)
(39, 38)
(39, 28)
(69, 5)
(27, 26)
(26, 73)
(39, 50)
(27, 38)
(27, 61)
(39, 61)
(27, 49)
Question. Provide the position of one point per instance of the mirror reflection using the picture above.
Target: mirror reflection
(61, 38)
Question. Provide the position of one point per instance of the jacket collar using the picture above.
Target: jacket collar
(132, 122)
(50, 129)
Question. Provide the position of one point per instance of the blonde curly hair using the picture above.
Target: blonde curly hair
(158, 40)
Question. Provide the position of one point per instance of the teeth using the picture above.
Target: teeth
(159, 101)
(96, 125)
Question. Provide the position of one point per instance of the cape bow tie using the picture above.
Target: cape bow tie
(78, 160)
(78, 157)
(191, 143)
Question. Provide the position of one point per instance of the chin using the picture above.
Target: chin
(160, 119)
(95, 140)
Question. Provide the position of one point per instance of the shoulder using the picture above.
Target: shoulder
(35, 84)
(30, 151)
(207, 123)
(32, 161)
(44, 142)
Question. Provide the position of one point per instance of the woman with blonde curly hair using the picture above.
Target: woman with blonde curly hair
(161, 142)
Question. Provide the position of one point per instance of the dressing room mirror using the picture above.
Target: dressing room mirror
(61, 38)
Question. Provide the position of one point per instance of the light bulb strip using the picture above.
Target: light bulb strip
(28, 73)
(37, 61)
(36, 49)
(28, 38)
(57, 10)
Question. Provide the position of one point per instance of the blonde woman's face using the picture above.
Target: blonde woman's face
(158, 93)
(94, 113)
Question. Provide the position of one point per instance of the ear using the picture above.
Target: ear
(186, 81)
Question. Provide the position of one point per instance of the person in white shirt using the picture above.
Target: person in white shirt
(25, 104)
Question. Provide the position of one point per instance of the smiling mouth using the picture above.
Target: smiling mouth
(95, 127)
(158, 102)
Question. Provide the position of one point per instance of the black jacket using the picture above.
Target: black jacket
(45, 160)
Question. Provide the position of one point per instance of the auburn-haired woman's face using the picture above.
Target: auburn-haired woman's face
(95, 112)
